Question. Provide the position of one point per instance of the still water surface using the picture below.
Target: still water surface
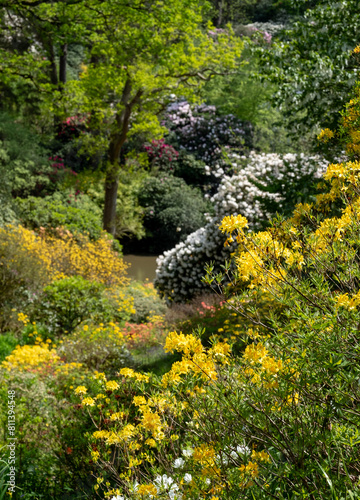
(142, 267)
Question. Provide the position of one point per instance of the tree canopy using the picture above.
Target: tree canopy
(312, 63)
(137, 58)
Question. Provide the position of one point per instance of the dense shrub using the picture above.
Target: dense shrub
(263, 185)
(30, 261)
(192, 171)
(161, 156)
(66, 303)
(51, 447)
(7, 214)
(146, 302)
(7, 344)
(172, 211)
(23, 269)
(69, 255)
(280, 419)
(204, 133)
(24, 161)
(98, 347)
(75, 212)
(70, 144)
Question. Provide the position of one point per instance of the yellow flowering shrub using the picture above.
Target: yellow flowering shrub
(28, 261)
(93, 260)
(49, 425)
(280, 418)
(31, 357)
(23, 268)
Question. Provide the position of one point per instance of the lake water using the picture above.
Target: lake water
(142, 267)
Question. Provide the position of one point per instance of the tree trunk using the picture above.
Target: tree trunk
(111, 189)
(116, 143)
(62, 65)
(221, 6)
(53, 68)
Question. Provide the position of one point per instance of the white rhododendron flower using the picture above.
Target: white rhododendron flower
(179, 462)
(179, 270)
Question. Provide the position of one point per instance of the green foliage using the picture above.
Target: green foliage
(246, 11)
(312, 63)
(147, 302)
(77, 213)
(172, 211)
(8, 343)
(22, 270)
(100, 348)
(28, 170)
(4, 470)
(51, 448)
(7, 214)
(66, 303)
(129, 212)
(250, 97)
(190, 169)
(241, 94)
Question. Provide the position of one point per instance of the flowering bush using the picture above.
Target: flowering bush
(144, 335)
(73, 211)
(280, 419)
(23, 269)
(72, 128)
(202, 132)
(30, 261)
(98, 347)
(263, 185)
(49, 426)
(161, 155)
(69, 255)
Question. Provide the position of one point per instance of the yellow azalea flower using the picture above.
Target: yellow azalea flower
(147, 490)
(81, 389)
(231, 223)
(151, 442)
(151, 422)
(100, 396)
(260, 455)
(111, 385)
(325, 135)
(88, 402)
(117, 415)
(139, 401)
(130, 373)
(205, 455)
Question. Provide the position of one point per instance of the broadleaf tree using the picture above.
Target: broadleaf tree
(312, 63)
(142, 56)
(138, 56)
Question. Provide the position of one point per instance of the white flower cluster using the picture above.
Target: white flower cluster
(233, 454)
(249, 192)
(166, 484)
